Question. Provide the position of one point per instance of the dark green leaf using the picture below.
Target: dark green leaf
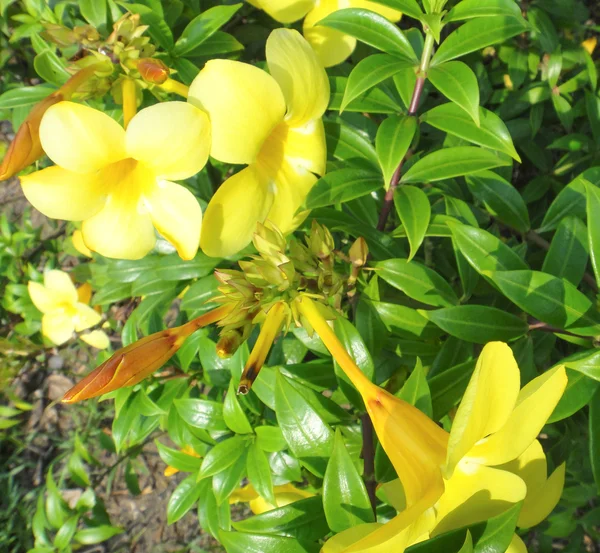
(225, 482)
(178, 459)
(593, 221)
(394, 137)
(405, 321)
(595, 437)
(412, 206)
(346, 144)
(568, 254)
(407, 7)
(448, 387)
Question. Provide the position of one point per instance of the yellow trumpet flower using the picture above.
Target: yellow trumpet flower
(64, 308)
(272, 123)
(332, 47)
(119, 183)
(284, 495)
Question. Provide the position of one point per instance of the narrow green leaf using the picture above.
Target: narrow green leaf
(178, 459)
(371, 101)
(578, 393)
(568, 254)
(412, 206)
(242, 542)
(394, 137)
(96, 534)
(225, 482)
(259, 473)
(66, 532)
(448, 387)
(452, 162)
(416, 390)
(595, 438)
(405, 321)
(201, 413)
(458, 83)
(183, 498)
(342, 186)
(233, 414)
(223, 455)
(586, 362)
(470, 9)
(593, 223)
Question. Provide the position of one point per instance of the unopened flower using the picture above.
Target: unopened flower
(332, 46)
(272, 123)
(284, 495)
(64, 310)
(119, 183)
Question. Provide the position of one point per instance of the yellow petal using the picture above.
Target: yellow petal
(57, 326)
(488, 401)
(42, 298)
(80, 138)
(244, 104)
(97, 339)
(340, 542)
(284, 495)
(291, 189)
(332, 47)
(48, 190)
(241, 202)
(475, 493)
(84, 292)
(244, 494)
(516, 545)
(177, 215)
(534, 406)
(79, 244)
(60, 284)
(300, 74)
(286, 11)
(388, 13)
(171, 138)
(85, 317)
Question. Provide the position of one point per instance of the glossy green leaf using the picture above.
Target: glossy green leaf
(491, 132)
(593, 223)
(50, 68)
(407, 7)
(369, 72)
(470, 9)
(178, 459)
(595, 438)
(94, 12)
(412, 206)
(212, 517)
(222, 455)
(259, 473)
(342, 186)
(201, 413)
(345, 499)
(458, 83)
(96, 534)
(550, 299)
(309, 437)
(225, 482)
(372, 29)
(233, 414)
(578, 393)
(158, 29)
(183, 498)
(243, 542)
(544, 30)
(476, 35)
(452, 162)
(197, 295)
(270, 438)
(373, 100)
(394, 137)
(66, 532)
(478, 323)
(417, 282)
(217, 43)
(405, 321)
(501, 199)
(447, 387)
(347, 144)
(416, 390)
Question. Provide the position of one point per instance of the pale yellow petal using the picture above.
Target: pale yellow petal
(62, 194)
(388, 13)
(42, 298)
(475, 493)
(300, 74)
(85, 317)
(241, 202)
(244, 104)
(177, 215)
(331, 46)
(97, 339)
(488, 401)
(535, 404)
(79, 244)
(80, 138)
(340, 542)
(286, 11)
(60, 284)
(57, 326)
(516, 545)
(171, 138)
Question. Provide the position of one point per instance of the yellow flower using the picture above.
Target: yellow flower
(332, 47)
(119, 182)
(63, 309)
(272, 123)
(97, 339)
(284, 495)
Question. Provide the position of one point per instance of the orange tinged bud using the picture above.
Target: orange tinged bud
(133, 363)
(153, 71)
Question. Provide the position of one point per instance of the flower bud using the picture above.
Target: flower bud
(359, 251)
(228, 343)
(153, 70)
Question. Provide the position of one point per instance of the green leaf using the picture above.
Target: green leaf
(66, 532)
(302, 520)
(372, 29)
(218, 43)
(501, 199)
(550, 299)
(259, 473)
(158, 29)
(178, 459)
(222, 456)
(25, 96)
(172, 267)
(458, 83)
(96, 534)
(345, 499)
(369, 72)
(195, 300)
(405, 321)
(94, 11)
(412, 206)
(307, 434)
(407, 7)
(270, 438)
(233, 414)
(544, 29)
(203, 26)
(394, 137)
(342, 186)
(447, 388)
(586, 362)
(593, 222)
(478, 323)
(225, 482)
(476, 35)
(595, 438)
(578, 393)
(346, 144)
(183, 498)
(201, 413)
(50, 68)
(242, 542)
(211, 516)
(469, 9)
(416, 390)
(372, 101)
(568, 254)
(491, 132)
(484, 251)
(417, 282)
(452, 162)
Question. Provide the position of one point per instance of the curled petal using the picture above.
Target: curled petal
(57, 326)
(244, 104)
(80, 138)
(171, 138)
(300, 74)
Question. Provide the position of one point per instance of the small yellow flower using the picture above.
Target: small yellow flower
(119, 182)
(284, 495)
(64, 309)
(272, 123)
(332, 47)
